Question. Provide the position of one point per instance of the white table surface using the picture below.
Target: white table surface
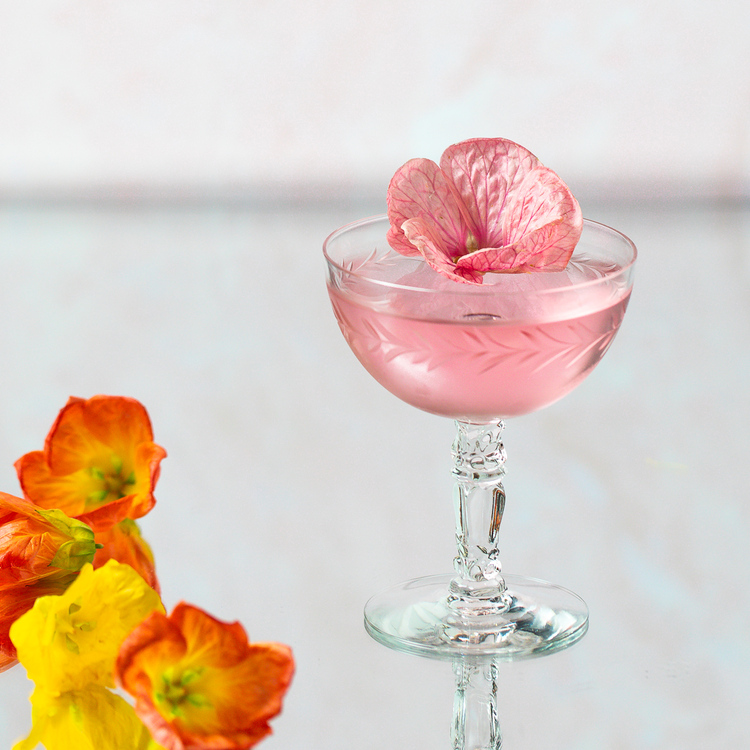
(295, 486)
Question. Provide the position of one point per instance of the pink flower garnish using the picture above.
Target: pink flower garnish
(489, 207)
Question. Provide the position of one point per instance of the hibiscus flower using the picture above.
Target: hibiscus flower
(489, 207)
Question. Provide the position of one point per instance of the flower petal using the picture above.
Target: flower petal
(255, 686)
(422, 235)
(117, 421)
(147, 652)
(543, 225)
(488, 173)
(147, 469)
(67, 492)
(489, 259)
(420, 190)
(154, 644)
(69, 445)
(90, 719)
(16, 602)
(210, 641)
(124, 543)
(543, 221)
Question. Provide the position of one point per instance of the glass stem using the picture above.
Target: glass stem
(475, 720)
(479, 467)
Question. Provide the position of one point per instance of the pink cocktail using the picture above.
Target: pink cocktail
(477, 353)
(477, 366)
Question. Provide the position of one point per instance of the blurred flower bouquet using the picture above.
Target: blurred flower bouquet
(80, 605)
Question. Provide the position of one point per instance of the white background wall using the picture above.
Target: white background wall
(186, 96)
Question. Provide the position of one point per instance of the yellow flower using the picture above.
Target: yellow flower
(90, 719)
(68, 644)
(69, 641)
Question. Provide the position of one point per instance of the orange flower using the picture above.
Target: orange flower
(41, 552)
(197, 682)
(99, 465)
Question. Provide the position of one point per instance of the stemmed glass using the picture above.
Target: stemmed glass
(477, 354)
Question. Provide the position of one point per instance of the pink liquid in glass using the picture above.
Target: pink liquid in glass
(479, 361)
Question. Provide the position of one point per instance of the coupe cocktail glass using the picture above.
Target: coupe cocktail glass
(477, 354)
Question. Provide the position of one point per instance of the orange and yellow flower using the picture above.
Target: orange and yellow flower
(199, 684)
(99, 465)
(41, 552)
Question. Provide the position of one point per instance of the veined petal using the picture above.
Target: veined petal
(488, 173)
(420, 189)
(542, 248)
(543, 221)
(422, 235)
(7, 661)
(488, 259)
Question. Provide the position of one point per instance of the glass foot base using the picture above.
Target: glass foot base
(534, 618)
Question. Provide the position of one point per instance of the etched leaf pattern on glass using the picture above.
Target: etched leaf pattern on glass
(484, 347)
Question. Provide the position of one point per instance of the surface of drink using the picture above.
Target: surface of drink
(507, 347)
